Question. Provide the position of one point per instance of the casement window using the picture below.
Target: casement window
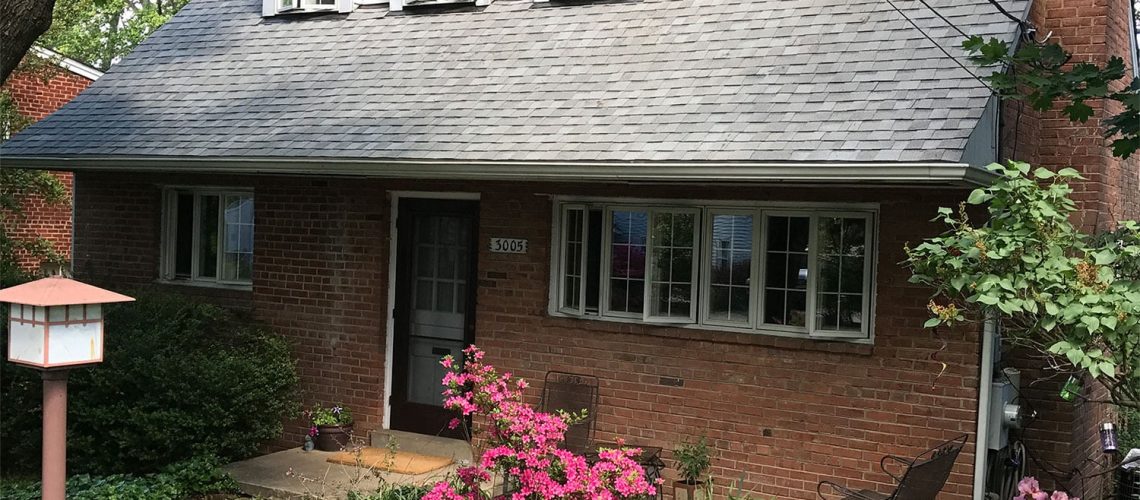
(208, 236)
(800, 272)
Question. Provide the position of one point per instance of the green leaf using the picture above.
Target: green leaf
(1069, 172)
(987, 299)
(932, 322)
(1108, 368)
(1060, 347)
(1075, 356)
(977, 197)
(1091, 322)
(1043, 173)
(1104, 257)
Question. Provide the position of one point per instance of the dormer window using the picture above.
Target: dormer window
(306, 5)
(282, 7)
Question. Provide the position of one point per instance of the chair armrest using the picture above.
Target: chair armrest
(883, 465)
(839, 490)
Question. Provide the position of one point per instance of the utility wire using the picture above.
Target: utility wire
(1007, 14)
(944, 51)
(943, 18)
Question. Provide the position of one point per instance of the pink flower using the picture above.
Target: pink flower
(524, 444)
(1028, 486)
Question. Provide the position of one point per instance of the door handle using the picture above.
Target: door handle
(440, 351)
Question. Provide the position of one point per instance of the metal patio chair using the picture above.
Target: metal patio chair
(572, 392)
(923, 478)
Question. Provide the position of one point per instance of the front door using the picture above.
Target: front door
(435, 302)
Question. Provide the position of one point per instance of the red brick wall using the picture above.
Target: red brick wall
(785, 413)
(1063, 436)
(38, 94)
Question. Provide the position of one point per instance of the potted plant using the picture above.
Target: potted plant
(330, 427)
(692, 462)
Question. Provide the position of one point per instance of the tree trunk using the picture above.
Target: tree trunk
(21, 23)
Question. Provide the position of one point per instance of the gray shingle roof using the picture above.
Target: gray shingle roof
(654, 80)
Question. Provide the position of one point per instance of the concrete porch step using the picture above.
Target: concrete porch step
(297, 474)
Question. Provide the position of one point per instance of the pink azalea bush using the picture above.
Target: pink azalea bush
(1029, 489)
(523, 444)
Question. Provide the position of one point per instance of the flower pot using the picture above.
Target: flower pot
(333, 437)
(689, 491)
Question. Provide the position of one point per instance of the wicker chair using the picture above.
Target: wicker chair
(923, 478)
(571, 392)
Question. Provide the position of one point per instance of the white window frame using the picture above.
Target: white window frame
(706, 263)
(564, 229)
(704, 211)
(1133, 38)
(607, 261)
(814, 276)
(695, 282)
(762, 291)
(168, 257)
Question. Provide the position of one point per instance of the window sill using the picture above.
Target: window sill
(207, 284)
(727, 335)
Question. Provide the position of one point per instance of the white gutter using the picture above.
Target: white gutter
(69, 64)
(985, 385)
(835, 172)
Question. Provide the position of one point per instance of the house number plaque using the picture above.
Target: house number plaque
(508, 245)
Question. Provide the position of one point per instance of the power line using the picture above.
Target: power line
(944, 51)
(1007, 14)
(947, 21)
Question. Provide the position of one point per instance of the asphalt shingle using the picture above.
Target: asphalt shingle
(649, 80)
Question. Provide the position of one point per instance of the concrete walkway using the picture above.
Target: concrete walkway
(297, 474)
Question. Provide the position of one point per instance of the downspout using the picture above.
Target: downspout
(985, 385)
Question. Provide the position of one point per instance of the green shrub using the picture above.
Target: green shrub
(193, 478)
(179, 380)
(1129, 429)
(392, 492)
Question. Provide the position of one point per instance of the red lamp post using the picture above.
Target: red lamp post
(55, 324)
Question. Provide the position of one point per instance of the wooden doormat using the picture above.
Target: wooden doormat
(404, 462)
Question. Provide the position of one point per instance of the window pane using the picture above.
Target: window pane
(839, 301)
(786, 270)
(237, 247)
(671, 294)
(184, 235)
(627, 263)
(851, 312)
(208, 236)
(730, 265)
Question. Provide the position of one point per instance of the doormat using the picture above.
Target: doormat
(404, 462)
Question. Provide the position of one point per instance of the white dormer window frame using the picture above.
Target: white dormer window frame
(278, 7)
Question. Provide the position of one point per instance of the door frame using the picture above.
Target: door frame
(393, 253)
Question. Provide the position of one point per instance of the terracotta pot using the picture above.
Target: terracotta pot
(689, 491)
(333, 437)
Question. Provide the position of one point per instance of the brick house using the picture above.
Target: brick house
(701, 204)
(38, 94)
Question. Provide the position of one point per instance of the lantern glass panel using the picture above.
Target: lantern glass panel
(26, 339)
(94, 312)
(57, 314)
(75, 343)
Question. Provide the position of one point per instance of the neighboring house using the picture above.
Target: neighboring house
(37, 94)
(704, 204)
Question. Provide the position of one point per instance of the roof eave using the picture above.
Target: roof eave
(906, 173)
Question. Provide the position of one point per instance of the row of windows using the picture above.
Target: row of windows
(799, 271)
(795, 271)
